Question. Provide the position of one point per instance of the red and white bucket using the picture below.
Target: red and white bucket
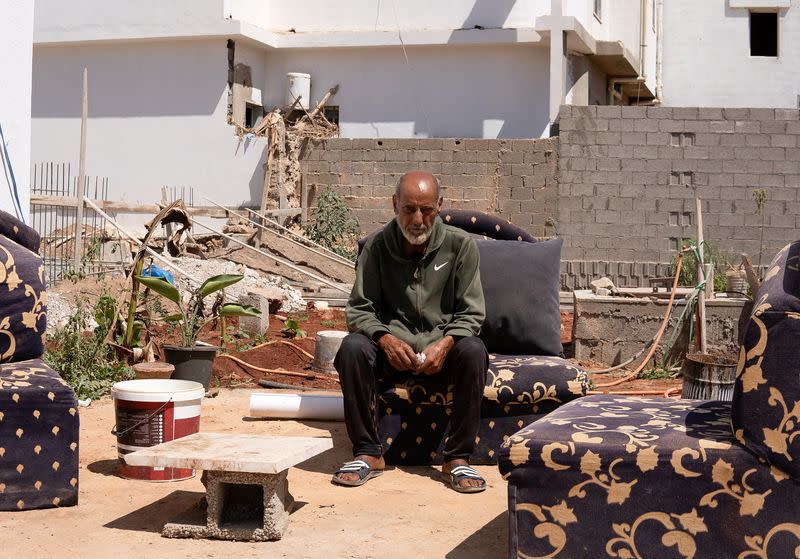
(151, 412)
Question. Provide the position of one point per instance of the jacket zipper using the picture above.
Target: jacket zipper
(418, 277)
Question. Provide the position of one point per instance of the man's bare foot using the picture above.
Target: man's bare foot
(376, 463)
(466, 483)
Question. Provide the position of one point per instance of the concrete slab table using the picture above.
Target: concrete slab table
(247, 492)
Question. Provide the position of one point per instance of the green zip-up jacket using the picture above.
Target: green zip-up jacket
(419, 301)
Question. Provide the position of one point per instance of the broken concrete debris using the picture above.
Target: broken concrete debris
(603, 286)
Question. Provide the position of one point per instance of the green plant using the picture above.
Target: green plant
(332, 224)
(85, 362)
(655, 373)
(193, 314)
(327, 323)
(246, 343)
(292, 328)
(711, 255)
(91, 254)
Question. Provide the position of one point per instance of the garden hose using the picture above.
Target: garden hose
(660, 333)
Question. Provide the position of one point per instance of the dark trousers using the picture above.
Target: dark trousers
(361, 364)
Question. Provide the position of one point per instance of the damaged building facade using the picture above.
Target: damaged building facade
(510, 103)
(168, 82)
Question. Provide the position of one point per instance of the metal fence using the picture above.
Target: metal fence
(53, 214)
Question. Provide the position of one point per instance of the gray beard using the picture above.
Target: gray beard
(420, 239)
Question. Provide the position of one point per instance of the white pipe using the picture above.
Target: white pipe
(659, 51)
(643, 40)
(277, 405)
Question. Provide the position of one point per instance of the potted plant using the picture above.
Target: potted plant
(193, 361)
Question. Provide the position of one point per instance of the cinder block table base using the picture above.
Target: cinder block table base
(247, 492)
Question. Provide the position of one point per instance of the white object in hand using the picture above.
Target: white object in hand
(420, 358)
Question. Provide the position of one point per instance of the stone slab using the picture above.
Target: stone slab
(231, 452)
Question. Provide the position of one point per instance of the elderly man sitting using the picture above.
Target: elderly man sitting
(416, 307)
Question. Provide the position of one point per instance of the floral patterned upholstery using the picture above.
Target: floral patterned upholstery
(615, 476)
(519, 390)
(38, 411)
(23, 302)
(766, 409)
(38, 438)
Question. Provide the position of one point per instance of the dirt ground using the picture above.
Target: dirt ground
(281, 355)
(407, 512)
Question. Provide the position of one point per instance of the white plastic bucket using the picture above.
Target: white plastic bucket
(297, 406)
(298, 85)
(152, 411)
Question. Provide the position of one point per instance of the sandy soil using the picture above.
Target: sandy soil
(407, 512)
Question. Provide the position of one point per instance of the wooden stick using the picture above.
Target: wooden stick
(79, 191)
(752, 276)
(701, 274)
(303, 202)
(150, 251)
(279, 260)
(331, 92)
(265, 228)
(304, 239)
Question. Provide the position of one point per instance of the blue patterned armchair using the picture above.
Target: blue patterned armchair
(615, 476)
(528, 376)
(38, 411)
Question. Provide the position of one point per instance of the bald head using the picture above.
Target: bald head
(416, 204)
(417, 181)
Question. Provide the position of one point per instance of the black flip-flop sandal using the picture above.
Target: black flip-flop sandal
(365, 473)
(459, 473)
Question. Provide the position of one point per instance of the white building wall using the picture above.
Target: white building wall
(113, 15)
(371, 15)
(256, 12)
(471, 92)
(157, 117)
(707, 58)
(16, 38)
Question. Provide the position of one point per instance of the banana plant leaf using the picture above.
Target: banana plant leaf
(232, 309)
(162, 287)
(215, 283)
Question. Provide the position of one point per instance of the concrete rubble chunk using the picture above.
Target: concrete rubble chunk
(267, 300)
(603, 286)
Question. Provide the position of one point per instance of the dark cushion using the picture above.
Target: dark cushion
(18, 232)
(39, 427)
(23, 304)
(486, 225)
(520, 285)
(766, 397)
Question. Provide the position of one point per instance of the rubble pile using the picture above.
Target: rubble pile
(253, 280)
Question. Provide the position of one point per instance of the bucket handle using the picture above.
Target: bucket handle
(141, 422)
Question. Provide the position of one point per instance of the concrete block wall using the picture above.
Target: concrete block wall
(514, 178)
(628, 176)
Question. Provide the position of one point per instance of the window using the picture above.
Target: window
(763, 34)
(252, 113)
(332, 114)
(598, 10)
